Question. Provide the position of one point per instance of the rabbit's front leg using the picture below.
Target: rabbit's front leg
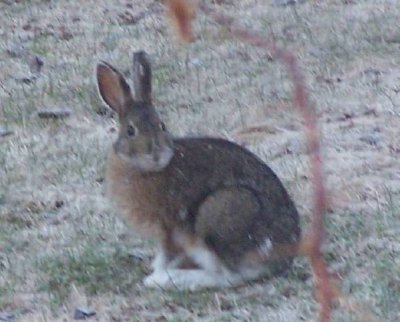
(169, 255)
(164, 260)
(160, 260)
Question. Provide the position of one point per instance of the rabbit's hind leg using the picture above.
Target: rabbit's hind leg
(227, 221)
(170, 255)
(210, 272)
(197, 251)
(235, 226)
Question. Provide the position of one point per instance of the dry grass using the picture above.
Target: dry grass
(60, 243)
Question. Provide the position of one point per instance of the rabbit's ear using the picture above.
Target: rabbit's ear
(142, 76)
(113, 88)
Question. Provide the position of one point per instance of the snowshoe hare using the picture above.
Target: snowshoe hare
(217, 211)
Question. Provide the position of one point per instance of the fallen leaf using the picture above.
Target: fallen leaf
(5, 132)
(55, 113)
(284, 3)
(35, 63)
(58, 204)
(82, 313)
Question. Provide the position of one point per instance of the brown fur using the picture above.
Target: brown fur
(216, 209)
(193, 193)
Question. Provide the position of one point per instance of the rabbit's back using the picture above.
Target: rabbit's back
(203, 165)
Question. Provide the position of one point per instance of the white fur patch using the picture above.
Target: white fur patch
(190, 279)
(265, 248)
(205, 258)
(182, 214)
(160, 261)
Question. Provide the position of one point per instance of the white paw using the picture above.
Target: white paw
(173, 279)
(159, 279)
(180, 279)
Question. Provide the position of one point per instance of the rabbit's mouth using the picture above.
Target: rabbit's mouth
(155, 161)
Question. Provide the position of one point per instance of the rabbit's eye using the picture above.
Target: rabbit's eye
(162, 126)
(131, 131)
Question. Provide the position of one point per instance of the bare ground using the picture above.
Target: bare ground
(61, 244)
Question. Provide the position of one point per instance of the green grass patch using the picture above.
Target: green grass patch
(6, 292)
(95, 270)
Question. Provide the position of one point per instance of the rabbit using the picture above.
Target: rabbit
(217, 212)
